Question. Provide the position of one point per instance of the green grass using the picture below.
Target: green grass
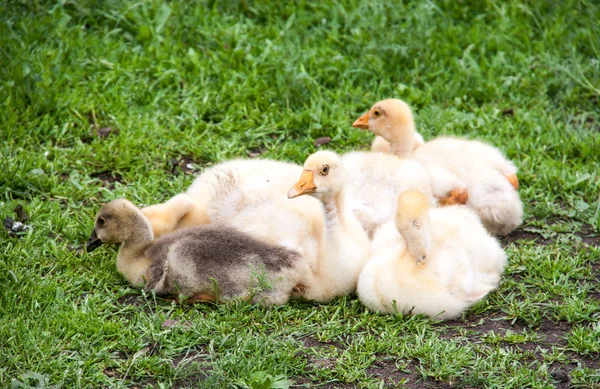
(205, 81)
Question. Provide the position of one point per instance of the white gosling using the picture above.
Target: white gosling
(393, 119)
(489, 178)
(457, 264)
(255, 178)
(345, 246)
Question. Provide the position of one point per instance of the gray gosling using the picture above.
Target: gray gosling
(205, 263)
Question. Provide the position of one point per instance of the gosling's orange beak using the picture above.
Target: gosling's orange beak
(304, 185)
(362, 122)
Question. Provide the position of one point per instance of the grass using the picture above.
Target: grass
(189, 84)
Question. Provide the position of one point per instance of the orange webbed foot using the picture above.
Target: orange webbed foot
(457, 196)
(299, 288)
(514, 180)
(201, 297)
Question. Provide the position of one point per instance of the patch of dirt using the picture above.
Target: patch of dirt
(385, 369)
(185, 165)
(131, 299)
(508, 112)
(112, 372)
(17, 227)
(193, 381)
(306, 382)
(316, 362)
(255, 152)
(75, 248)
(587, 360)
(596, 269)
(561, 374)
(594, 294)
(553, 336)
(552, 333)
(99, 128)
(212, 117)
(64, 203)
(139, 383)
(198, 372)
(22, 215)
(584, 121)
(120, 355)
(589, 236)
(321, 363)
(520, 234)
(108, 179)
(491, 323)
(145, 382)
(153, 348)
(589, 121)
(105, 132)
(310, 342)
(197, 354)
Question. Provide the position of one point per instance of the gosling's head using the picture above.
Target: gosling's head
(391, 119)
(116, 222)
(323, 175)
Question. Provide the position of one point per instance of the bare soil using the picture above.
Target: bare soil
(586, 234)
(519, 235)
(183, 165)
(107, 178)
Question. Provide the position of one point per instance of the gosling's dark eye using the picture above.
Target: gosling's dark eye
(100, 221)
(324, 170)
(377, 113)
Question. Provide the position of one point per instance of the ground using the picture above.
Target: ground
(107, 99)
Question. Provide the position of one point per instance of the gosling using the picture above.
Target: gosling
(204, 263)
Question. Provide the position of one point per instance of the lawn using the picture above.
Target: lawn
(107, 99)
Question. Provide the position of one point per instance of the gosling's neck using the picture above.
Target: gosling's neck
(402, 149)
(347, 245)
(334, 210)
(338, 220)
(402, 139)
(139, 238)
(131, 260)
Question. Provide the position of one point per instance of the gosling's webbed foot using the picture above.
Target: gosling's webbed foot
(458, 196)
(514, 180)
(299, 288)
(201, 297)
